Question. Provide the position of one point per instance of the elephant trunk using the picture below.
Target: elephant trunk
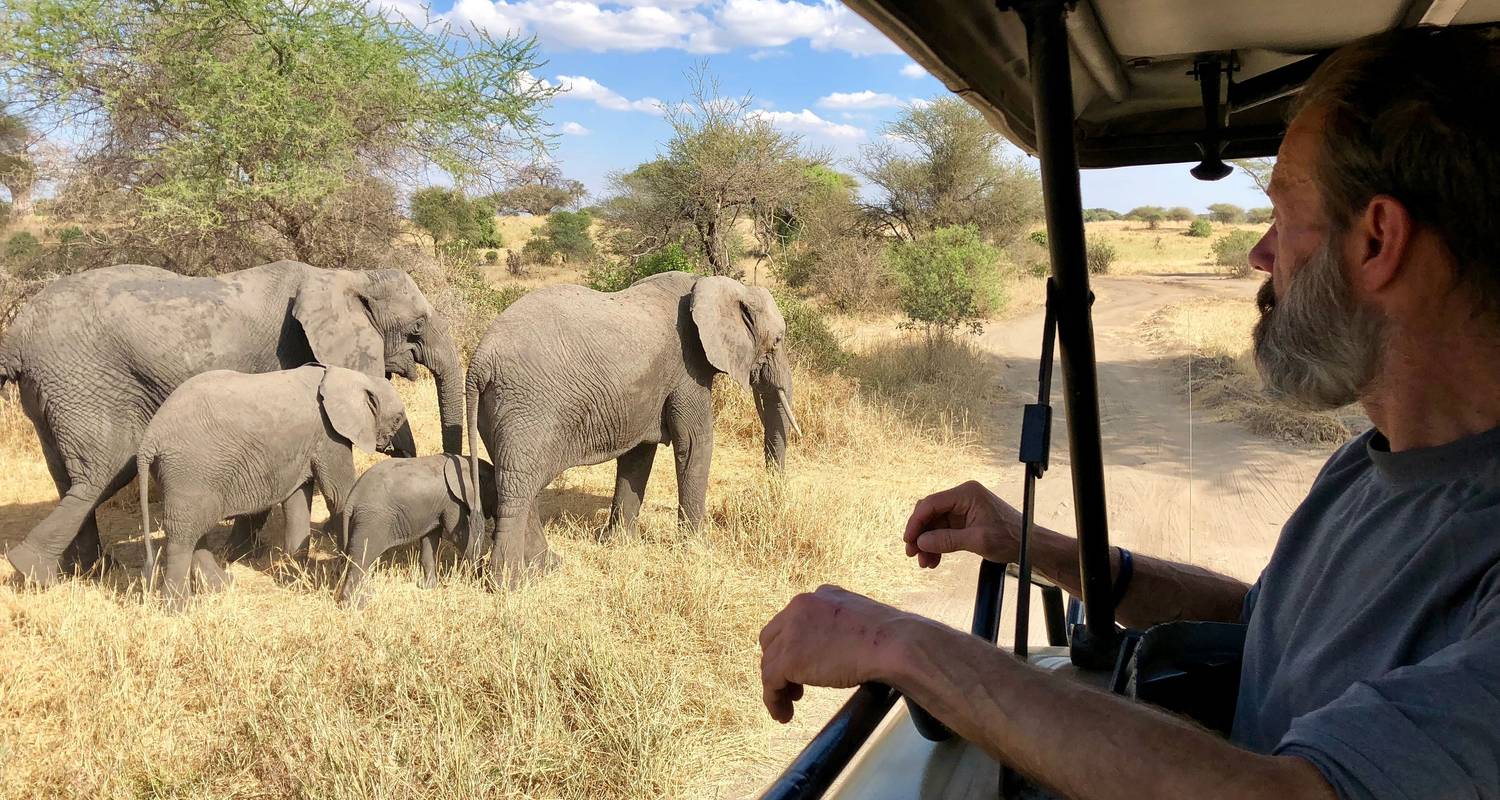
(403, 443)
(773, 400)
(440, 356)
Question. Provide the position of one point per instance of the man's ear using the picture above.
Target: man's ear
(1380, 239)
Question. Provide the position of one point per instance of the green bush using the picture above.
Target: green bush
(492, 257)
(1100, 215)
(1200, 229)
(565, 232)
(1259, 216)
(1040, 237)
(809, 339)
(1233, 252)
(21, 245)
(1099, 256)
(449, 216)
(948, 279)
(612, 277)
(1151, 215)
(1180, 214)
(1226, 213)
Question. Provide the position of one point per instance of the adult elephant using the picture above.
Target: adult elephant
(96, 353)
(570, 376)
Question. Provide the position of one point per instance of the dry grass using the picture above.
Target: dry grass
(631, 672)
(1215, 333)
(1166, 250)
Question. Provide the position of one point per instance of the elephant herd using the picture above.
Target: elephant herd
(244, 392)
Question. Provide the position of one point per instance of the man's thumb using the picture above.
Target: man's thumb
(948, 540)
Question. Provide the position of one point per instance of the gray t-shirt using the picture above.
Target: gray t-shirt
(1373, 648)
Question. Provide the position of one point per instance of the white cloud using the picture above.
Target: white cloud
(762, 55)
(865, 99)
(913, 70)
(806, 121)
(700, 27)
(574, 129)
(578, 87)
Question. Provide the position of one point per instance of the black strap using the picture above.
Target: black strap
(1127, 570)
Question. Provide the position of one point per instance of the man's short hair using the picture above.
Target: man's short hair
(1415, 114)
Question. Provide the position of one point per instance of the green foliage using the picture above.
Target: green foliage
(1260, 216)
(941, 164)
(612, 277)
(1233, 252)
(1226, 213)
(1200, 229)
(1151, 215)
(1180, 214)
(477, 293)
(1099, 256)
(1100, 215)
(22, 245)
(216, 116)
(538, 189)
(491, 257)
(450, 217)
(1039, 237)
(948, 279)
(567, 232)
(809, 339)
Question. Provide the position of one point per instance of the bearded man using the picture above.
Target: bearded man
(1372, 661)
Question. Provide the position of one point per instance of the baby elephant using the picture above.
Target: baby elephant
(231, 444)
(397, 501)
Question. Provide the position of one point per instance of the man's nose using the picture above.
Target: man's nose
(1263, 254)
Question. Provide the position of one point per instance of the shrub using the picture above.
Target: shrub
(1200, 229)
(1226, 213)
(1259, 216)
(947, 280)
(1100, 215)
(1099, 256)
(1030, 258)
(1180, 214)
(1040, 237)
(566, 232)
(612, 277)
(22, 245)
(1151, 215)
(491, 257)
(1233, 252)
(4, 213)
(809, 340)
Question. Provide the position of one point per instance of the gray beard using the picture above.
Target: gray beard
(1316, 346)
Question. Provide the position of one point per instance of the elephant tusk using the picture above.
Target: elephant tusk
(786, 405)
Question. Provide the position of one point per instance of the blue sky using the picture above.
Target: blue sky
(814, 69)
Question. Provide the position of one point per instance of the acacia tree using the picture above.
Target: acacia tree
(724, 163)
(940, 164)
(538, 189)
(17, 169)
(263, 121)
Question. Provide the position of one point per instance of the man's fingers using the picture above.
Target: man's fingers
(949, 540)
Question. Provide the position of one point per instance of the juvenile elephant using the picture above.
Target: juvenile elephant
(397, 501)
(230, 444)
(95, 353)
(569, 376)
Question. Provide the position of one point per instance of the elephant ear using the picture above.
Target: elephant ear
(726, 326)
(350, 404)
(453, 475)
(338, 326)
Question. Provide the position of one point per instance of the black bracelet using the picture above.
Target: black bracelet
(1127, 569)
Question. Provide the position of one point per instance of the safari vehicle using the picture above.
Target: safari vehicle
(1091, 84)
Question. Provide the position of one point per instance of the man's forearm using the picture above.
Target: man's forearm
(1160, 591)
(1040, 724)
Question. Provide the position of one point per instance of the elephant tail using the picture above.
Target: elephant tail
(143, 461)
(476, 491)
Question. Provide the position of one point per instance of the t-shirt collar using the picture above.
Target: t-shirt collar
(1470, 458)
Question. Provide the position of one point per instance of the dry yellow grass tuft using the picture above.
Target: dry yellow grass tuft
(630, 672)
(1216, 335)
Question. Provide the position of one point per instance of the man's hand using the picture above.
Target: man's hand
(967, 517)
(830, 637)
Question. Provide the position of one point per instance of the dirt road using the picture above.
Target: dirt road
(1178, 486)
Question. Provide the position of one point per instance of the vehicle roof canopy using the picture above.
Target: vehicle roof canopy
(1136, 97)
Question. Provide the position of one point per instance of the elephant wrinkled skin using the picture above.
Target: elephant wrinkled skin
(569, 376)
(94, 355)
(230, 444)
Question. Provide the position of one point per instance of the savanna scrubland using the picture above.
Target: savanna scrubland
(632, 671)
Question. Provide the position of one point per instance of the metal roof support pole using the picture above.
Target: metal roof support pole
(1094, 644)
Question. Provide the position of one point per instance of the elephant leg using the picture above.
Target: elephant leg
(334, 474)
(429, 560)
(175, 580)
(211, 577)
(540, 559)
(85, 551)
(38, 557)
(298, 508)
(693, 455)
(632, 470)
(244, 539)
